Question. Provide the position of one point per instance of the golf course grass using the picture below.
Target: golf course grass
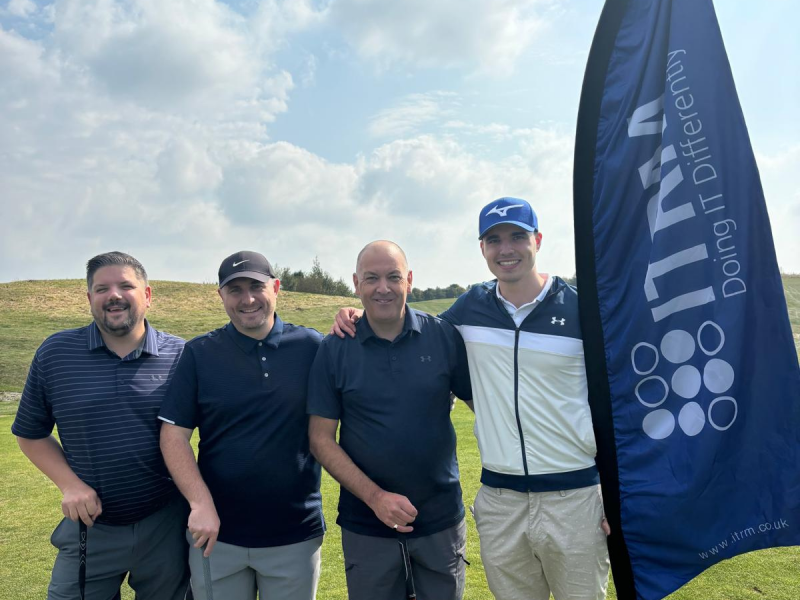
(30, 504)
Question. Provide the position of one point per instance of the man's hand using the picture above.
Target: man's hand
(81, 502)
(605, 526)
(394, 511)
(204, 526)
(345, 322)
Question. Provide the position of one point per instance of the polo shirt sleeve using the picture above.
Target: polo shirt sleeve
(34, 419)
(179, 406)
(324, 397)
(460, 383)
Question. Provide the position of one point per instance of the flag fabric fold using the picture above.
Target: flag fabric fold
(692, 367)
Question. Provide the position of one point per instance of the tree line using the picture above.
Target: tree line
(315, 281)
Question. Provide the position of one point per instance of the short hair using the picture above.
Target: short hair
(109, 259)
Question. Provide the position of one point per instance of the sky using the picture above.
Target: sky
(182, 131)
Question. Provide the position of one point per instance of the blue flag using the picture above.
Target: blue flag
(693, 372)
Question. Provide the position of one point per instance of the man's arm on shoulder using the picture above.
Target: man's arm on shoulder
(179, 458)
(345, 321)
(79, 501)
(391, 509)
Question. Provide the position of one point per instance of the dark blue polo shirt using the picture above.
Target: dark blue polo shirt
(105, 408)
(247, 398)
(393, 401)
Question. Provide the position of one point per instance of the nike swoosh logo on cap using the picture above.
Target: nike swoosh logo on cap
(240, 262)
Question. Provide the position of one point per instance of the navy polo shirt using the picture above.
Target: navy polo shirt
(393, 401)
(247, 397)
(105, 408)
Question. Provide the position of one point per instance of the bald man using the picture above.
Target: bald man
(396, 455)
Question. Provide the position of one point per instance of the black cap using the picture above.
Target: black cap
(245, 264)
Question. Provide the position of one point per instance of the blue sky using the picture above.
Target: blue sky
(183, 131)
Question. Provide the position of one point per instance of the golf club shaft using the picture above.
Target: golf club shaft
(207, 574)
(82, 559)
(411, 592)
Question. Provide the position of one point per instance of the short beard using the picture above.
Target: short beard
(121, 329)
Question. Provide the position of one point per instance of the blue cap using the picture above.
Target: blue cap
(507, 210)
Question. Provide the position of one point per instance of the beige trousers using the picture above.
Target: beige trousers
(536, 543)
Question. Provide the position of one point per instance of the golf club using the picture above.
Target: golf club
(411, 592)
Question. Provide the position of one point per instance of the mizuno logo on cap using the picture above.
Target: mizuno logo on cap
(502, 212)
(240, 262)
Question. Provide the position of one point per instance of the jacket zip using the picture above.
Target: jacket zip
(516, 401)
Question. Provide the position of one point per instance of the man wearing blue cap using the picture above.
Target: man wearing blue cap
(539, 513)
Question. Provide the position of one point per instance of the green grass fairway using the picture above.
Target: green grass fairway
(30, 504)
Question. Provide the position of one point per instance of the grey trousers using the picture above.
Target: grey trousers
(152, 552)
(289, 572)
(374, 565)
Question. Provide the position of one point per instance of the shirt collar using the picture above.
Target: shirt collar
(410, 323)
(247, 344)
(545, 289)
(149, 345)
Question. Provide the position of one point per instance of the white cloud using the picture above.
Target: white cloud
(411, 113)
(21, 8)
(164, 54)
(495, 131)
(489, 35)
(20, 58)
(282, 185)
(185, 168)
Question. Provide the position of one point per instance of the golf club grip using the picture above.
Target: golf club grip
(81, 559)
(207, 574)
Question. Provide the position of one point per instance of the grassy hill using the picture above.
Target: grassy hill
(30, 504)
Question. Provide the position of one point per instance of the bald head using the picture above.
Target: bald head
(382, 248)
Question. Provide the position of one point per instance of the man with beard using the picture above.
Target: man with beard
(102, 386)
(256, 510)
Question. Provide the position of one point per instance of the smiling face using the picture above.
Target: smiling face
(510, 252)
(383, 282)
(119, 299)
(250, 304)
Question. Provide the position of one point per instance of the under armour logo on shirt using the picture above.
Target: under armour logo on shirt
(425, 358)
(555, 321)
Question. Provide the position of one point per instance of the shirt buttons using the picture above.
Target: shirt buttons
(266, 374)
(263, 358)
(260, 343)
(394, 358)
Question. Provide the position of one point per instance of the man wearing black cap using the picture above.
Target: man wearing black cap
(256, 510)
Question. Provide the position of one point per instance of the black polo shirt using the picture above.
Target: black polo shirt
(247, 397)
(393, 401)
(105, 408)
